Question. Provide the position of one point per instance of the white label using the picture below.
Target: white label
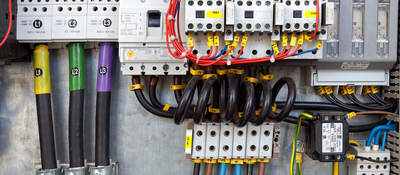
(332, 137)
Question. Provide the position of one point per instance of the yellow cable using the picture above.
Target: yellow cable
(354, 142)
(335, 168)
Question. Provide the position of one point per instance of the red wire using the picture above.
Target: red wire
(317, 20)
(9, 24)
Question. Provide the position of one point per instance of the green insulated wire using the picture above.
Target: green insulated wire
(76, 66)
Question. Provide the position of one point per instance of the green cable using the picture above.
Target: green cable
(302, 115)
(298, 169)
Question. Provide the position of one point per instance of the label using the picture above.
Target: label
(332, 137)
(188, 141)
(310, 14)
(355, 65)
(214, 14)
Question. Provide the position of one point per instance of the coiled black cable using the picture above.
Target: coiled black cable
(373, 97)
(267, 104)
(291, 98)
(223, 95)
(153, 96)
(196, 169)
(202, 101)
(146, 104)
(177, 80)
(233, 95)
(249, 104)
(186, 100)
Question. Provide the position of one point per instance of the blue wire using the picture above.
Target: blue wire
(222, 169)
(378, 134)
(376, 129)
(238, 169)
(384, 141)
(177, 7)
(220, 54)
(307, 51)
(396, 111)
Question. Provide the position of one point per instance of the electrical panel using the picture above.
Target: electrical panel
(254, 16)
(204, 16)
(67, 21)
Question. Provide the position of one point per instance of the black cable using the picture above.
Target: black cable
(233, 93)
(291, 98)
(146, 104)
(373, 97)
(153, 95)
(334, 100)
(186, 100)
(177, 80)
(354, 99)
(376, 160)
(76, 154)
(196, 169)
(202, 101)
(312, 106)
(249, 104)
(223, 96)
(102, 146)
(380, 99)
(352, 128)
(267, 103)
(249, 169)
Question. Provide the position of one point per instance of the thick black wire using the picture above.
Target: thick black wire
(202, 101)
(196, 169)
(377, 161)
(223, 95)
(249, 105)
(291, 98)
(332, 98)
(154, 100)
(379, 98)
(267, 103)
(146, 104)
(352, 128)
(249, 169)
(354, 99)
(233, 95)
(186, 100)
(373, 97)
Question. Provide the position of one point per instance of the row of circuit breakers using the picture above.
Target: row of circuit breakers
(357, 35)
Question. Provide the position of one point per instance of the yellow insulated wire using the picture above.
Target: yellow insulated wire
(41, 68)
(335, 168)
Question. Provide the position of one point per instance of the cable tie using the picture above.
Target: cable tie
(272, 60)
(172, 38)
(228, 62)
(136, 87)
(166, 107)
(177, 87)
(170, 17)
(198, 59)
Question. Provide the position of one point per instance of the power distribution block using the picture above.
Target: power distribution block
(69, 20)
(363, 167)
(225, 141)
(102, 20)
(254, 15)
(34, 21)
(204, 16)
(142, 43)
(327, 138)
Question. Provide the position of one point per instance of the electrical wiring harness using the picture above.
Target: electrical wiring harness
(226, 57)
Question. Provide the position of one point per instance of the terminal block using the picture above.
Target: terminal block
(34, 21)
(102, 20)
(204, 16)
(363, 167)
(254, 16)
(225, 141)
(69, 20)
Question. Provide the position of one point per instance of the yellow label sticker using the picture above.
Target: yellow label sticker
(188, 142)
(130, 54)
(214, 14)
(310, 14)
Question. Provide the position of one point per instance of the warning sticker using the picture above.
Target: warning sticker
(332, 137)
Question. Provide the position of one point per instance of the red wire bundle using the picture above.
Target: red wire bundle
(172, 23)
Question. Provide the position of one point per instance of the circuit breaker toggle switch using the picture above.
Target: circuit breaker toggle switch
(204, 16)
(254, 15)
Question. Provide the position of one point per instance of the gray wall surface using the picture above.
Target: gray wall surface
(143, 143)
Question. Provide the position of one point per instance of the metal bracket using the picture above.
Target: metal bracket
(48, 172)
(112, 169)
(74, 171)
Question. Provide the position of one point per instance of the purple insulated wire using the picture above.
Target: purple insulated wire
(104, 72)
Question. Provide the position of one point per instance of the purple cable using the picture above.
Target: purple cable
(104, 74)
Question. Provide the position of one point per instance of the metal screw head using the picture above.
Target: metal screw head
(142, 67)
